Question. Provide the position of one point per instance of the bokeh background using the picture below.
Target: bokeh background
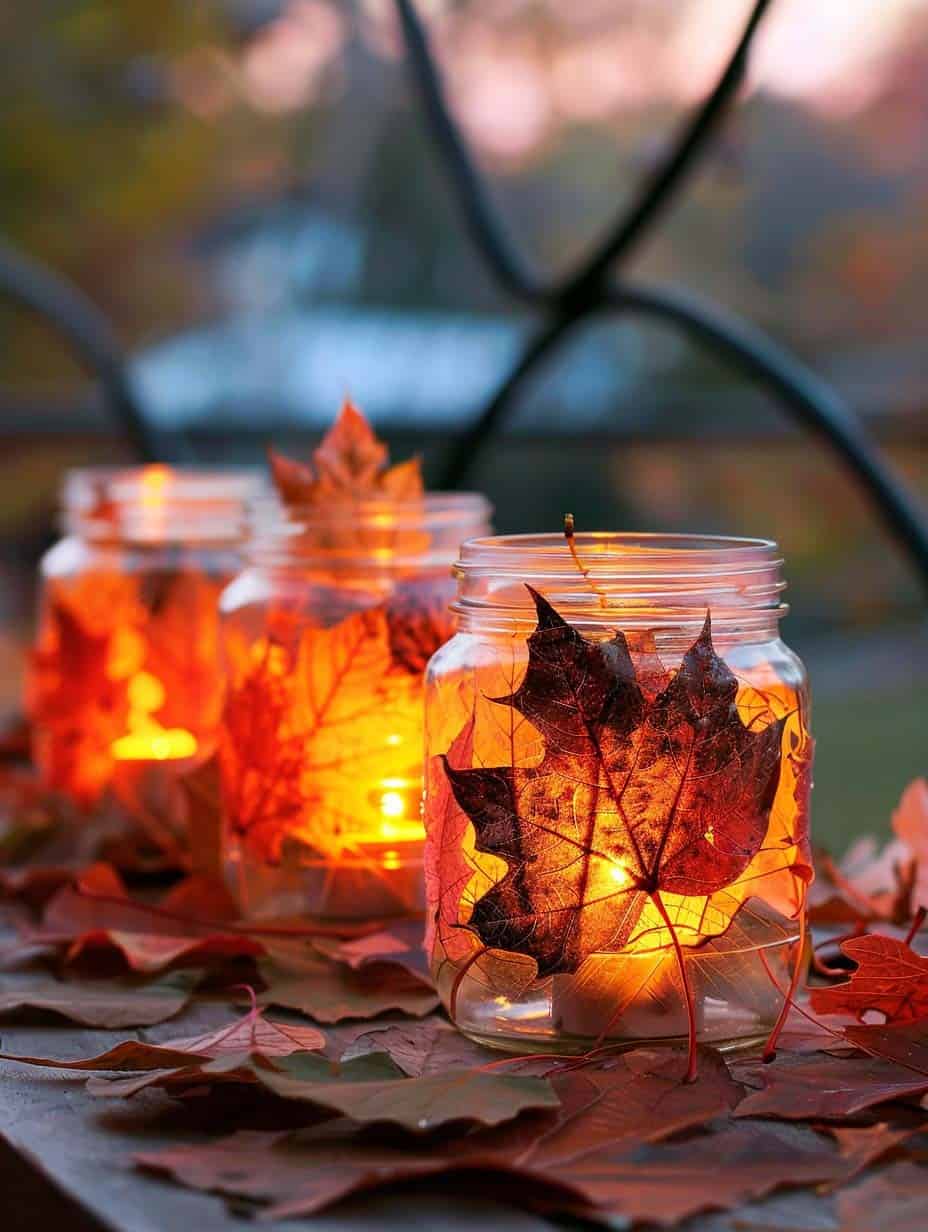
(246, 189)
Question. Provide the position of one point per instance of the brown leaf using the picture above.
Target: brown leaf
(906, 1043)
(639, 1096)
(253, 1033)
(111, 1004)
(822, 1087)
(894, 1200)
(862, 1146)
(401, 945)
(330, 993)
(372, 1089)
(302, 1173)
(869, 884)
(890, 978)
(717, 1171)
(421, 1048)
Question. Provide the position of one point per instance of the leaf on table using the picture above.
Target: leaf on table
(372, 1089)
(639, 1096)
(431, 1046)
(823, 1087)
(910, 823)
(905, 1043)
(330, 992)
(111, 1004)
(401, 945)
(252, 1033)
(633, 801)
(893, 1200)
(302, 1173)
(871, 883)
(667, 1183)
(861, 1146)
(890, 978)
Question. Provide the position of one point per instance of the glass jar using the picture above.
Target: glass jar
(618, 775)
(124, 687)
(327, 633)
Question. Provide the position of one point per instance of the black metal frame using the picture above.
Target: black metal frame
(564, 303)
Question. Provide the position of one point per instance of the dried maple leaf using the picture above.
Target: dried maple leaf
(910, 823)
(634, 801)
(815, 1087)
(330, 993)
(372, 1089)
(869, 884)
(668, 1183)
(400, 945)
(421, 1048)
(97, 1003)
(351, 463)
(906, 1043)
(890, 978)
(894, 1200)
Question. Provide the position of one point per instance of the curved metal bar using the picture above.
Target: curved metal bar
(76, 319)
(655, 193)
(482, 219)
(809, 401)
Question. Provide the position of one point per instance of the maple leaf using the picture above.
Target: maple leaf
(418, 623)
(896, 1199)
(372, 1089)
(890, 978)
(99, 1003)
(431, 1046)
(906, 1043)
(633, 800)
(814, 1086)
(330, 993)
(910, 823)
(350, 463)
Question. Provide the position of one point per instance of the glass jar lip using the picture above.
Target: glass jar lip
(634, 578)
(159, 502)
(434, 508)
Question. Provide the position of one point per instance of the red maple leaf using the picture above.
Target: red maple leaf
(634, 798)
(890, 978)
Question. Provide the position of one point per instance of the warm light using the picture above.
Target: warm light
(146, 739)
(154, 480)
(392, 804)
(619, 874)
(393, 740)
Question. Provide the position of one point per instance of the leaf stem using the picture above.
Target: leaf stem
(572, 546)
(690, 1075)
(770, 1048)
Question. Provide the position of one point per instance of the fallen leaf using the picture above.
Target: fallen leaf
(111, 1004)
(401, 944)
(890, 978)
(906, 1043)
(870, 883)
(639, 1096)
(372, 1089)
(421, 1048)
(668, 1183)
(253, 1033)
(330, 993)
(822, 1087)
(862, 1146)
(894, 1200)
(302, 1173)
(910, 823)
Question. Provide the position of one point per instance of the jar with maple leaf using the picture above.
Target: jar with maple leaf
(617, 791)
(124, 684)
(327, 633)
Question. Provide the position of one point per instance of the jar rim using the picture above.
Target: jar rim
(437, 508)
(643, 579)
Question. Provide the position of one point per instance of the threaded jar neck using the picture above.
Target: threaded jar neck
(628, 581)
(366, 535)
(156, 505)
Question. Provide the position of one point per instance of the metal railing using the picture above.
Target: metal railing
(564, 303)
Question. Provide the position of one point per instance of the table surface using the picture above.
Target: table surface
(80, 1176)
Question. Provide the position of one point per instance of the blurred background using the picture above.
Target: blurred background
(246, 189)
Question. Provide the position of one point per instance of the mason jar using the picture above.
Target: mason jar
(617, 792)
(124, 686)
(327, 632)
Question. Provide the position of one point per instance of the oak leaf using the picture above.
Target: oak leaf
(890, 978)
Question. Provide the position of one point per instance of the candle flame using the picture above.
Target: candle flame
(146, 739)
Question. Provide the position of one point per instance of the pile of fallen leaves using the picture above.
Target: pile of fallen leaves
(342, 1075)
